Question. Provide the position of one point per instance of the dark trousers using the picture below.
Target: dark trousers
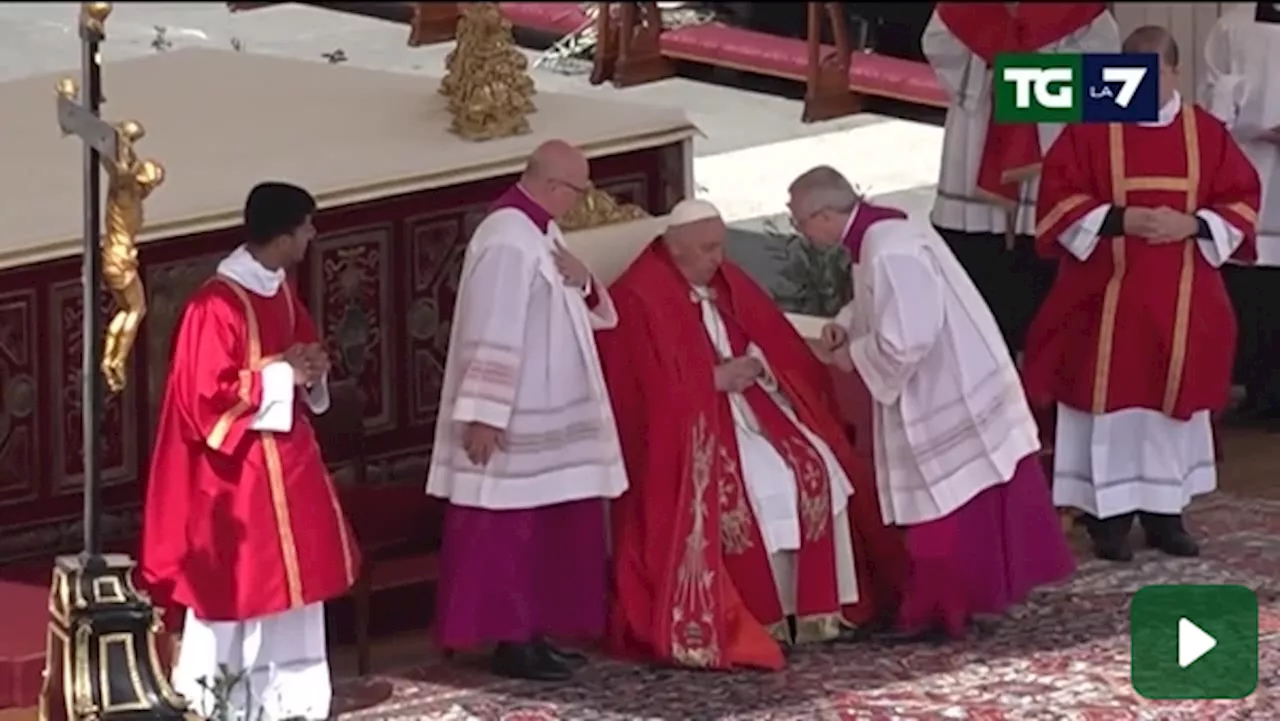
(1013, 282)
(1255, 295)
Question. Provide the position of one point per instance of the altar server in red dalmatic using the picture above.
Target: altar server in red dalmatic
(526, 448)
(985, 207)
(242, 523)
(1136, 340)
(750, 525)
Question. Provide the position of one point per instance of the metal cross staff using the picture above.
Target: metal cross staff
(83, 119)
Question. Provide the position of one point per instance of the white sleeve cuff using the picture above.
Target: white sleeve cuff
(1226, 238)
(1081, 237)
(318, 396)
(275, 414)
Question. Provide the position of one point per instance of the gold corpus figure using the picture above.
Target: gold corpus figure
(487, 82)
(130, 181)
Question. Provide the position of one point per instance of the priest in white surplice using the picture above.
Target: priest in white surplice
(986, 199)
(242, 523)
(1242, 64)
(526, 447)
(955, 443)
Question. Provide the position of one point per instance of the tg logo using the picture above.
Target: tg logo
(1072, 88)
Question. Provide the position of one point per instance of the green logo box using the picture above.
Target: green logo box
(1051, 76)
(1227, 614)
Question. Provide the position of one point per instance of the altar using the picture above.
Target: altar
(399, 195)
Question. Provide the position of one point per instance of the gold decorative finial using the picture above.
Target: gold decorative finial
(597, 208)
(68, 88)
(487, 81)
(94, 15)
(130, 181)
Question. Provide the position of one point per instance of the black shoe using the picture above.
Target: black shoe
(528, 661)
(572, 659)
(1110, 537)
(1166, 534)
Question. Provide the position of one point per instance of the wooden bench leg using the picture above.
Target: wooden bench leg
(433, 23)
(827, 94)
(363, 601)
(639, 57)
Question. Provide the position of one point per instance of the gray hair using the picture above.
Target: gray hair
(823, 188)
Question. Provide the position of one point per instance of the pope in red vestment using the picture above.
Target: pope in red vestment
(692, 580)
(1140, 217)
(242, 523)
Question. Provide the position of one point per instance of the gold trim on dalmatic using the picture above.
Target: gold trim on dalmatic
(1121, 186)
(275, 470)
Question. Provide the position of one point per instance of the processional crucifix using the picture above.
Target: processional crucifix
(102, 660)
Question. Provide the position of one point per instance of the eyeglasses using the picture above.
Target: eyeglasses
(799, 220)
(578, 189)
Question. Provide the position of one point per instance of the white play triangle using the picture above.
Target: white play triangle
(1193, 643)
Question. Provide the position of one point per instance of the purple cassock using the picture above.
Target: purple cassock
(991, 552)
(515, 575)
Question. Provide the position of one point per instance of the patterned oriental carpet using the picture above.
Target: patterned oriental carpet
(1062, 657)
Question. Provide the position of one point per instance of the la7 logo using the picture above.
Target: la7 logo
(1130, 80)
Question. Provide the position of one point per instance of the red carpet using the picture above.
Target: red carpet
(24, 596)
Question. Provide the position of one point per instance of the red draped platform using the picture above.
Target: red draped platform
(720, 45)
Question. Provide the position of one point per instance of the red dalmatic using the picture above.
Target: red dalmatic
(1011, 153)
(692, 581)
(1139, 325)
(239, 523)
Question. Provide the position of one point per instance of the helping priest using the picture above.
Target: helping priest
(750, 523)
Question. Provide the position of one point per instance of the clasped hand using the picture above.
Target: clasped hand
(1159, 225)
(309, 361)
(737, 374)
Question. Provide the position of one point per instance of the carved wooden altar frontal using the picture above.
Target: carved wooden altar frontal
(118, 462)
(19, 396)
(351, 293)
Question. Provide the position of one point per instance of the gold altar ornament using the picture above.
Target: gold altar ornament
(487, 83)
(597, 208)
(130, 181)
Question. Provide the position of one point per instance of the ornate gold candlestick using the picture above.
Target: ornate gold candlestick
(487, 81)
(101, 661)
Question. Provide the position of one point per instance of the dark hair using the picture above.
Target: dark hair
(275, 209)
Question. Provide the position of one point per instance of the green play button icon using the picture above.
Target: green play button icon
(1194, 642)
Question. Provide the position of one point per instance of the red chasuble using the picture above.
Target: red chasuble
(239, 523)
(1011, 153)
(1139, 325)
(692, 581)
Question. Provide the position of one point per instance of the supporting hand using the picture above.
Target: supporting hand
(834, 337)
(574, 271)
